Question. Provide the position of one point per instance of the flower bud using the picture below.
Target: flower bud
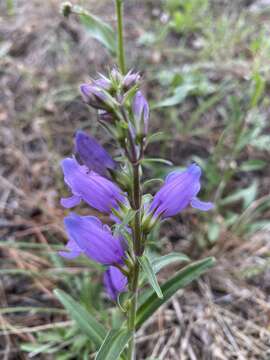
(116, 76)
(95, 96)
(103, 83)
(140, 110)
(130, 80)
(115, 282)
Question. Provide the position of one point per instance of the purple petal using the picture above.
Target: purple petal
(94, 239)
(140, 109)
(94, 96)
(70, 201)
(177, 192)
(115, 282)
(72, 250)
(130, 79)
(201, 205)
(193, 170)
(95, 190)
(103, 83)
(92, 154)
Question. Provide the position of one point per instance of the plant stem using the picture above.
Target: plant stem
(135, 199)
(132, 312)
(121, 50)
(137, 239)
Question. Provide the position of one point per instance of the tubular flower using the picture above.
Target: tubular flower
(89, 236)
(95, 190)
(95, 96)
(115, 282)
(179, 190)
(130, 80)
(140, 110)
(92, 154)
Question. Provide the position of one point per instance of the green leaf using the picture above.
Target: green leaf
(253, 165)
(156, 160)
(150, 274)
(156, 137)
(247, 195)
(181, 279)
(180, 93)
(86, 322)
(98, 29)
(162, 261)
(114, 344)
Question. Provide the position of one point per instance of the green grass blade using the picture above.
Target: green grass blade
(114, 344)
(162, 261)
(181, 279)
(86, 322)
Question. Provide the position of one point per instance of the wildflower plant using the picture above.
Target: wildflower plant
(115, 187)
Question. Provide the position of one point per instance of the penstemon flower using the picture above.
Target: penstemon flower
(115, 282)
(89, 236)
(97, 191)
(179, 190)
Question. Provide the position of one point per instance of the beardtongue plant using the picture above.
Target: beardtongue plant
(115, 188)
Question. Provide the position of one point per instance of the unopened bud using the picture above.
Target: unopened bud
(95, 96)
(103, 83)
(140, 110)
(116, 76)
(130, 80)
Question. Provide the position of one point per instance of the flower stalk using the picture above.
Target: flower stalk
(115, 188)
(121, 50)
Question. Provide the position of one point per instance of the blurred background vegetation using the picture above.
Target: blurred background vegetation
(205, 67)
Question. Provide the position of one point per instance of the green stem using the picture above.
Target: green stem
(135, 200)
(121, 50)
(137, 239)
(132, 312)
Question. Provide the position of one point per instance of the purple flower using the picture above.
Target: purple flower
(89, 236)
(95, 96)
(179, 190)
(103, 83)
(92, 154)
(140, 110)
(95, 190)
(130, 80)
(115, 282)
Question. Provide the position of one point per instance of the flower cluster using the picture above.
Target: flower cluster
(90, 173)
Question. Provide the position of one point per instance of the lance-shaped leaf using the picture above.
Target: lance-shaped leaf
(150, 274)
(149, 161)
(114, 344)
(182, 278)
(85, 321)
(159, 263)
(97, 28)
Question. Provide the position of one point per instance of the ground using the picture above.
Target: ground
(213, 66)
